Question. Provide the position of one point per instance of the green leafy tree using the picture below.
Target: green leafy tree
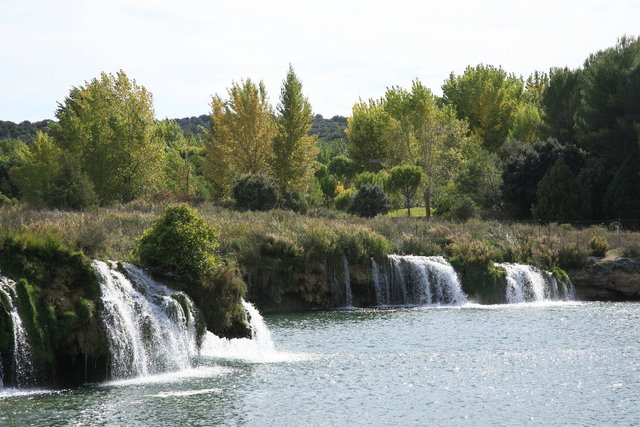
(405, 179)
(367, 131)
(39, 167)
(107, 127)
(179, 171)
(342, 168)
(559, 195)
(12, 151)
(369, 201)
(240, 139)
(488, 98)
(294, 150)
(427, 135)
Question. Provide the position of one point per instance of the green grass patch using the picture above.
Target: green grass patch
(418, 212)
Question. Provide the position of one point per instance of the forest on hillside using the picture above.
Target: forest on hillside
(561, 145)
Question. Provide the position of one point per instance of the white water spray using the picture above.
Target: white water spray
(416, 280)
(22, 367)
(526, 283)
(341, 286)
(148, 329)
(260, 348)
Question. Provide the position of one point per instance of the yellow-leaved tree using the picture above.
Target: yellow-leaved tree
(241, 134)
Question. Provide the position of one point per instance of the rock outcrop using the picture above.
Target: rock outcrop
(614, 280)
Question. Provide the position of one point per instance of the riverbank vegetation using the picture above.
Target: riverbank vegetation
(542, 170)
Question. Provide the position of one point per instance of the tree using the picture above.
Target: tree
(609, 111)
(560, 102)
(427, 135)
(294, 150)
(106, 126)
(39, 166)
(487, 97)
(524, 166)
(369, 201)
(342, 168)
(559, 196)
(367, 130)
(178, 174)
(241, 136)
(405, 179)
(622, 200)
(12, 151)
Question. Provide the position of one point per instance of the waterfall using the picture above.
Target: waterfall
(341, 286)
(21, 360)
(148, 329)
(416, 280)
(260, 348)
(526, 283)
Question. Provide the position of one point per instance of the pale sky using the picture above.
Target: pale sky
(185, 51)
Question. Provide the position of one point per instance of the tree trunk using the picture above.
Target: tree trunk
(427, 204)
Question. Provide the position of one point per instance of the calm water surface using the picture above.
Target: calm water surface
(555, 363)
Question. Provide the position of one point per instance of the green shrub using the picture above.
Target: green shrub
(295, 202)
(462, 209)
(256, 193)
(180, 243)
(572, 256)
(344, 199)
(598, 245)
(471, 251)
(369, 201)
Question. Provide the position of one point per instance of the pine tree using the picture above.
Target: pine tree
(622, 200)
(560, 196)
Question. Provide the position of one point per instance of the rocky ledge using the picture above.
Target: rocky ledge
(612, 280)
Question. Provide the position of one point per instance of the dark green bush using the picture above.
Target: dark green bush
(462, 209)
(295, 202)
(369, 201)
(256, 193)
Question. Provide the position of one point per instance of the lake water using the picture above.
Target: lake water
(538, 364)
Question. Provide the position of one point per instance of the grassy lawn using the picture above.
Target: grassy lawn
(416, 211)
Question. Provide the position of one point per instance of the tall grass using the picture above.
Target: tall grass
(111, 233)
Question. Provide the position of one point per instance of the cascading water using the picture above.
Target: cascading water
(22, 368)
(148, 329)
(260, 348)
(416, 280)
(341, 286)
(526, 283)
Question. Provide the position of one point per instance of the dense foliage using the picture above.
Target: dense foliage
(484, 147)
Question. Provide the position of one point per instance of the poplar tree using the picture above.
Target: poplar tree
(106, 126)
(294, 150)
(240, 139)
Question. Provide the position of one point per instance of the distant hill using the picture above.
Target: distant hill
(329, 129)
(192, 125)
(326, 129)
(25, 131)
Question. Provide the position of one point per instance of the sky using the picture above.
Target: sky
(186, 51)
